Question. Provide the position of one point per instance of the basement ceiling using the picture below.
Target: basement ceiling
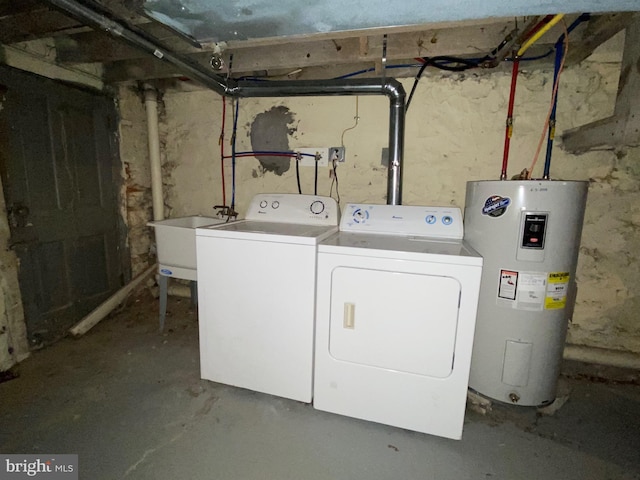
(250, 39)
(225, 20)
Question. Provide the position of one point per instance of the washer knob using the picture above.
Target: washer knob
(263, 204)
(317, 207)
(275, 204)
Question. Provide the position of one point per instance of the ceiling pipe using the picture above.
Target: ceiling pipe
(376, 86)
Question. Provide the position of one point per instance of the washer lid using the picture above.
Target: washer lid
(268, 231)
(401, 247)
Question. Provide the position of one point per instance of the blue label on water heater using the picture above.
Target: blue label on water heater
(496, 206)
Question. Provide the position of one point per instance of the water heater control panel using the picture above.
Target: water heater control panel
(533, 230)
(407, 220)
(293, 208)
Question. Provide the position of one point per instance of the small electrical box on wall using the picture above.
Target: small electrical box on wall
(336, 154)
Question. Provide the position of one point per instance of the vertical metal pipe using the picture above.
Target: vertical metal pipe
(396, 151)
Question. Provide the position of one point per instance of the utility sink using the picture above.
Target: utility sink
(176, 240)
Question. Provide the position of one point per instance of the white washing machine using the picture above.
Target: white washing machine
(256, 291)
(395, 317)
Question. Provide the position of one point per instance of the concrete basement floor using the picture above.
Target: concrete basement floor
(131, 404)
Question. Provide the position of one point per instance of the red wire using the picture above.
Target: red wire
(512, 97)
(509, 127)
(222, 157)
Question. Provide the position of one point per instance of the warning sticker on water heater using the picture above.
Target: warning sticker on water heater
(557, 288)
(522, 290)
(508, 284)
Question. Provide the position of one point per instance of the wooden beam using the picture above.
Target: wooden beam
(628, 97)
(599, 30)
(595, 135)
(476, 39)
(11, 7)
(142, 69)
(623, 128)
(100, 47)
(31, 20)
(152, 68)
(34, 25)
(472, 41)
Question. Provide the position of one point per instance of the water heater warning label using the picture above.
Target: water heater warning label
(557, 288)
(533, 291)
(508, 284)
(522, 290)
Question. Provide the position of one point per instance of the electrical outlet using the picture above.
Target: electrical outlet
(321, 153)
(336, 153)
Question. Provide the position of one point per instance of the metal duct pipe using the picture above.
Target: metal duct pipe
(389, 87)
(373, 86)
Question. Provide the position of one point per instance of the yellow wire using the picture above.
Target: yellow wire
(534, 38)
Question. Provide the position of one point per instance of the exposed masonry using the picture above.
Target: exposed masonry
(136, 190)
(270, 131)
(454, 134)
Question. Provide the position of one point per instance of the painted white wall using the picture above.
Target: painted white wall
(454, 133)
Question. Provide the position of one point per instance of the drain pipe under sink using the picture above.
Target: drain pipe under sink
(153, 138)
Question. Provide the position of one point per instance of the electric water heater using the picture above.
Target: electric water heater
(528, 232)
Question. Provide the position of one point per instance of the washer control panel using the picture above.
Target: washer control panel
(293, 208)
(407, 220)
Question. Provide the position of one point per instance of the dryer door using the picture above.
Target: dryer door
(399, 321)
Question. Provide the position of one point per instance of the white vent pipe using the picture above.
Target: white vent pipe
(151, 106)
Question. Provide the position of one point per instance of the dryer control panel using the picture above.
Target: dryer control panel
(293, 208)
(407, 220)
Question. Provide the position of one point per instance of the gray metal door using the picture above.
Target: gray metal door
(60, 173)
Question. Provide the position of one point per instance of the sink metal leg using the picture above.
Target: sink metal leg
(163, 283)
(194, 294)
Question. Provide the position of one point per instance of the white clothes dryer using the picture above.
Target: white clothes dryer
(256, 290)
(395, 317)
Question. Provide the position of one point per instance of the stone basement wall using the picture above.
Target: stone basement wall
(135, 196)
(14, 346)
(454, 133)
